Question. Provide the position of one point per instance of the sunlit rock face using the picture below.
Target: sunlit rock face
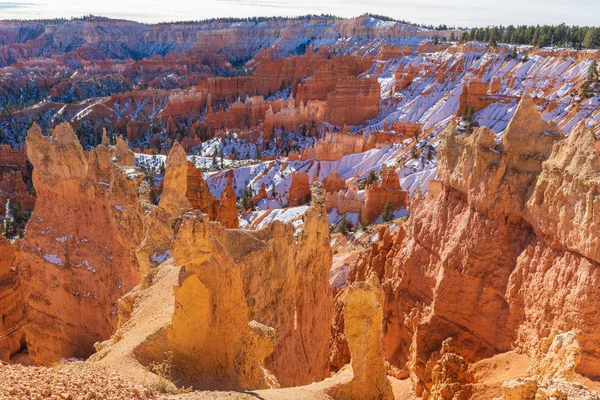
(500, 256)
(78, 255)
(12, 320)
(238, 309)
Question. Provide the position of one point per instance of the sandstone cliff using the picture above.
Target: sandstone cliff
(364, 332)
(12, 337)
(77, 257)
(249, 309)
(444, 281)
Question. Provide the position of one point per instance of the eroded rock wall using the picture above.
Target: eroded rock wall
(78, 255)
(500, 256)
(12, 321)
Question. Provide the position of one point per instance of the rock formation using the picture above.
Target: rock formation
(245, 304)
(551, 372)
(334, 183)
(12, 338)
(198, 193)
(299, 192)
(333, 147)
(378, 194)
(78, 255)
(443, 280)
(353, 102)
(173, 197)
(451, 378)
(212, 338)
(227, 212)
(363, 331)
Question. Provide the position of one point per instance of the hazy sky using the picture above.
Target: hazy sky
(451, 12)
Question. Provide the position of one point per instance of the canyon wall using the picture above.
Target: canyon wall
(446, 287)
(77, 258)
(237, 309)
(12, 337)
(353, 101)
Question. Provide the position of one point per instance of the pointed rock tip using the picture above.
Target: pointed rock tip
(65, 134)
(105, 140)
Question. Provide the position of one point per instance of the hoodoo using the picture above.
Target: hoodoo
(78, 255)
(311, 208)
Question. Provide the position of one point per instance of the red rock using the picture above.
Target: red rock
(227, 213)
(12, 319)
(299, 192)
(378, 194)
(353, 101)
(77, 257)
(199, 194)
(334, 183)
(490, 299)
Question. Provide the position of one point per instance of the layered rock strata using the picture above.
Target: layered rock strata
(249, 309)
(444, 280)
(12, 321)
(78, 255)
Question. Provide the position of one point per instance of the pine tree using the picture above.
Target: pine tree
(247, 199)
(592, 38)
(372, 177)
(585, 90)
(388, 212)
(345, 225)
(593, 70)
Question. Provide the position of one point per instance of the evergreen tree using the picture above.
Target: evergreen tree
(372, 177)
(592, 39)
(585, 90)
(345, 225)
(388, 212)
(593, 70)
(247, 201)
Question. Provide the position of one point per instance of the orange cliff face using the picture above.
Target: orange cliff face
(13, 173)
(77, 257)
(353, 101)
(263, 295)
(379, 193)
(12, 320)
(448, 291)
(477, 95)
(198, 193)
(299, 192)
(227, 212)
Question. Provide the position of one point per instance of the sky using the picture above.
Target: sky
(463, 13)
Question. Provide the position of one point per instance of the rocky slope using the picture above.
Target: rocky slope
(244, 304)
(449, 292)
